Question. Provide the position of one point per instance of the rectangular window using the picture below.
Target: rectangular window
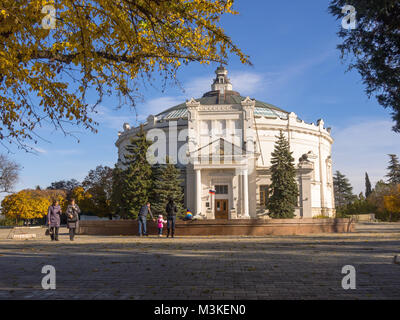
(205, 128)
(264, 193)
(219, 127)
(222, 189)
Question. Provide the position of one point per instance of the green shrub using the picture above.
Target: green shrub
(384, 215)
(341, 214)
(321, 216)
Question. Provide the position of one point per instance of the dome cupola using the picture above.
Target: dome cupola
(221, 82)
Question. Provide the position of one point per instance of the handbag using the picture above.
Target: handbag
(48, 232)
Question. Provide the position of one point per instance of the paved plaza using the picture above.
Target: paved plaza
(273, 267)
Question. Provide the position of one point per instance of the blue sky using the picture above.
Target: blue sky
(292, 45)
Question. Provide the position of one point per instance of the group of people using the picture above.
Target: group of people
(54, 219)
(170, 210)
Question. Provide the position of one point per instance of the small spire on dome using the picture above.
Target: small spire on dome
(221, 82)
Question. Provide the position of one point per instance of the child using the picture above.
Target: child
(160, 224)
(189, 215)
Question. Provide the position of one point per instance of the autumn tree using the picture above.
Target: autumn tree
(25, 205)
(31, 204)
(50, 59)
(392, 202)
(83, 199)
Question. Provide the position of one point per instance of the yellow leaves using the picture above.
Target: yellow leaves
(25, 205)
(392, 201)
(100, 45)
(82, 198)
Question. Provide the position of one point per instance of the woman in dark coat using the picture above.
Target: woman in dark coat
(73, 212)
(53, 218)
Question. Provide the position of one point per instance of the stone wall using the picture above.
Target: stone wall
(251, 227)
(364, 217)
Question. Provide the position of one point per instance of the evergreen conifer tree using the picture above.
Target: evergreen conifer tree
(117, 205)
(393, 170)
(368, 187)
(132, 185)
(167, 184)
(343, 190)
(284, 189)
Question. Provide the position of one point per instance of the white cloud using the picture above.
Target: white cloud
(247, 83)
(363, 147)
(39, 150)
(196, 87)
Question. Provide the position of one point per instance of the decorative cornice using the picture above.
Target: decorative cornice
(216, 108)
(247, 102)
(192, 103)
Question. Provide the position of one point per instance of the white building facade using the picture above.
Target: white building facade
(222, 142)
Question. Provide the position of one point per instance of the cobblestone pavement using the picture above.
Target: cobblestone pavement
(273, 267)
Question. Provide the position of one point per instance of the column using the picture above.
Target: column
(198, 192)
(246, 194)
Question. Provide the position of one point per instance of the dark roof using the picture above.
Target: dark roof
(230, 97)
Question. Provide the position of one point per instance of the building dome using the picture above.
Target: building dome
(221, 93)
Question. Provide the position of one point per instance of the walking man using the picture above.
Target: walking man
(171, 210)
(142, 217)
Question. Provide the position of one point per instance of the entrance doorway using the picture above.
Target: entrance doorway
(221, 208)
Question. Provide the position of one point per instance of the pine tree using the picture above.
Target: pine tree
(368, 188)
(343, 190)
(167, 184)
(132, 186)
(393, 170)
(284, 188)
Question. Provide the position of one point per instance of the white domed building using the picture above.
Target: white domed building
(222, 142)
